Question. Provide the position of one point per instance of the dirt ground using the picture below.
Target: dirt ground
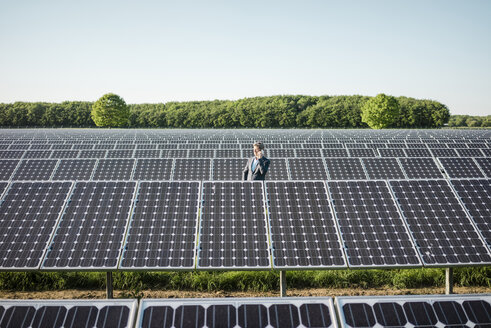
(96, 294)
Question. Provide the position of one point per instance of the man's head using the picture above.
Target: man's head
(258, 148)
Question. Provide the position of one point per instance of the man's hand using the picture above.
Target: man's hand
(259, 154)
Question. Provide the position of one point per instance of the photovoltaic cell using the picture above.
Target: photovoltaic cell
(461, 167)
(273, 153)
(361, 152)
(476, 196)
(192, 169)
(309, 152)
(392, 152)
(162, 232)
(443, 233)
(303, 229)
(420, 168)
(29, 213)
(228, 153)
(153, 169)
(67, 313)
(35, 169)
(7, 167)
(307, 169)
(11, 154)
(121, 153)
(277, 169)
(228, 169)
(335, 152)
(113, 169)
(345, 169)
(92, 154)
(415, 311)
(74, 169)
(233, 228)
(470, 152)
(57, 154)
(443, 152)
(382, 168)
(37, 154)
(372, 229)
(237, 312)
(92, 228)
(147, 153)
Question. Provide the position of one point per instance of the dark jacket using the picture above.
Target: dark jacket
(259, 172)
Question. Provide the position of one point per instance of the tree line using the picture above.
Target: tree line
(288, 111)
(470, 121)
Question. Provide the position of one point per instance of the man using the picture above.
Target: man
(257, 166)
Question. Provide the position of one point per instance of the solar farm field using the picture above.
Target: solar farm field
(84, 200)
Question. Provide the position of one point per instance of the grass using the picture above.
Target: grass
(243, 280)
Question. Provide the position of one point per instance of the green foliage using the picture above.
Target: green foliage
(110, 111)
(380, 111)
(284, 111)
(470, 121)
(133, 283)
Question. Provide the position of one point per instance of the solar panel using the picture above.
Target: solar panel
(92, 154)
(68, 313)
(335, 152)
(35, 169)
(7, 167)
(345, 169)
(442, 232)
(417, 152)
(393, 152)
(237, 312)
(382, 168)
(420, 168)
(147, 153)
(74, 169)
(227, 169)
(373, 231)
(37, 154)
(273, 153)
(153, 169)
(228, 153)
(233, 228)
(119, 153)
(201, 153)
(470, 152)
(485, 164)
(11, 154)
(306, 169)
(461, 167)
(415, 311)
(303, 229)
(162, 231)
(309, 152)
(444, 152)
(29, 213)
(91, 231)
(174, 153)
(361, 152)
(57, 154)
(476, 196)
(277, 170)
(192, 169)
(114, 169)
(3, 187)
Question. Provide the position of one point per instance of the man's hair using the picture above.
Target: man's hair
(259, 145)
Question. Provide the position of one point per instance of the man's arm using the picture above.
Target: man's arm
(263, 165)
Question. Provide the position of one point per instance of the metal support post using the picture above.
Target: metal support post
(109, 285)
(283, 283)
(449, 281)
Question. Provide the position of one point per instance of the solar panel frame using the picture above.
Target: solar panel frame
(412, 232)
(53, 228)
(132, 219)
(62, 217)
(370, 301)
(131, 304)
(401, 217)
(200, 229)
(271, 226)
(461, 167)
(236, 303)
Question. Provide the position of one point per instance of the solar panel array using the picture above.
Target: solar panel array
(171, 199)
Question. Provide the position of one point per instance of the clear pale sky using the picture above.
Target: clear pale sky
(160, 51)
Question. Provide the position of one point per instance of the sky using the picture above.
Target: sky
(160, 51)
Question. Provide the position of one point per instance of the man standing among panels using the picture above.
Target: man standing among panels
(257, 166)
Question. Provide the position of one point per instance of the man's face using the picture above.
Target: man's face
(256, 151)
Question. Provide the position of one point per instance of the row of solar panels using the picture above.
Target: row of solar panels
(386, 311)
(170, 225)
(233, 153)
(231, 169)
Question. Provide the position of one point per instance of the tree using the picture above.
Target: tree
(380, 111)
(110, 111)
